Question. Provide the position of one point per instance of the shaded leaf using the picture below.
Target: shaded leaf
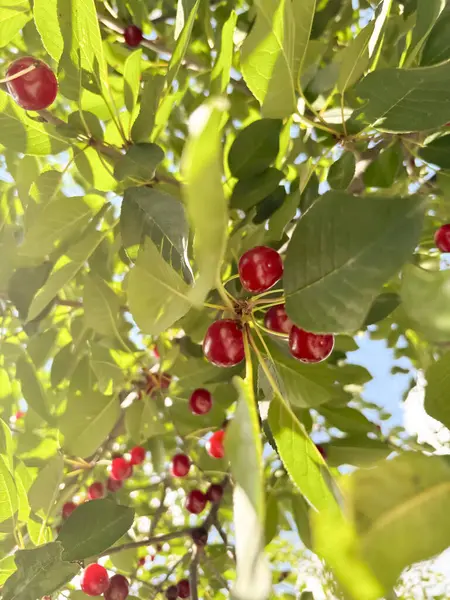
(255, 148)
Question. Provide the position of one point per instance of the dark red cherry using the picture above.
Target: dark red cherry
(141, 561)
(172, 592)
(121, 469)
(215, 492)
(118, 588)
(96, 490)
(95, 580)
(276, 319)
(195, 502)
(442, 238)
(223, 345)
(133, 35)
(260, 268)
(68, 509)
(214, 446)
(34, 90)
(199, 536)
(184, 589)
(113, 485)
(200, 401)
(322, 452)
(181, 465)
(137, 455)
(310, 347)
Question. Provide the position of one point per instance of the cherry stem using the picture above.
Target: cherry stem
(18, 74)
(273, 301)
(270, 331)
(217, 306)
(226, 296)
(265, 368)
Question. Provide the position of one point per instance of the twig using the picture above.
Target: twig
(159, 511)
(193, 575)
(157, 539)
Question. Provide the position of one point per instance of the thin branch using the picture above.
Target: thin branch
(159, 511)
(157, 539)
(193, 575)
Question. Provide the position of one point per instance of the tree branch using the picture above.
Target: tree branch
(193, 575)
(156, 539)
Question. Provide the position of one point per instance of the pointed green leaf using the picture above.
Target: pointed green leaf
(131, 79)
(220, 74)
(32, 389)
(255, 148)
(436, 396)
(14, 15)
(44, 491)
(101, 306)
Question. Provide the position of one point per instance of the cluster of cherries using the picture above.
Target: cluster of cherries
(260, 269)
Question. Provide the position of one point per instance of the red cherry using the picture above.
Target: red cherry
(137, 455)
(113, 485)
(442, 238)
(260, 268)
(172, 592)
(322, 452)
(19, 415)
(184, 589)
(214, 446)
(133, 35)
(276, 319)
(155, 352)
(200, 401)
(141, 561)
(95, 580)
(118, 588)
(34, 90)
(96, 490)
(195, 502)
(223, 345)
(199, 536)
(121, 469)
(181, 465)
(68, 509)
(214, 493)
(310, 347)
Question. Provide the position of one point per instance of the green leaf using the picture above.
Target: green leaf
(354, 59)
(138, 165)
(436, 396)
(7, 568)
(343, 250)
(384, 305)
(303, 17)
(428, 12)
(24, 283)
(23, 481)
(346, 419)
(6, 444)
(436, 49)
(402, 100)
(131, 79)
(425, 298)
(383, 172)
(143, 421)
(9, 502)
(143, 126)
(220, 74)
(101, 306)
(87, 421)
(301, 513)
(50, 22)
(358, 450)
(300, 457)
(342, 171)
(14, 15)
(250, 191)
(45, 489)
(32, 388)
(206, 205)
(437, 152)
(40, 571)
(243, 448)
(268, 58)
(21, 133)
(109, 374)
(93, 527)
(157, 295)
(255, 148)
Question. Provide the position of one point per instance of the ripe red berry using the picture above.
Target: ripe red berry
(223, 345)
(200, 401)
(442, 238)
(199, 536)
(68, 509)
(195, 502)
(96, 490)
(113, 485)
(121, 469)
(133, 35)
(34, 90)
(180, 465)
(310, 347)
(141, 561)
(260, 268)
(322, 452)
(184, 589)
(118, 588)
(214, 445)
(215, 492)
(19, 415)
(172, 592)
(95, 580)
(137, 455)
(276, 319)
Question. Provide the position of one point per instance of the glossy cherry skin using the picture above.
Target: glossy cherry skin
(35, 90)
(118, 588)
(214, 446)
(199, 536)
(133, 35)
(184, 589)
(310, 347)
(214, 493)
(172, 592)
(121, 469)
(181, 465)
(276, 319)
(96, 490)
(113, 485)
(95, 580)
(200, 402)
(223, 345)
(137, 455)
(260, 268)
(442, 238)
(195, 502)
(68, 509)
